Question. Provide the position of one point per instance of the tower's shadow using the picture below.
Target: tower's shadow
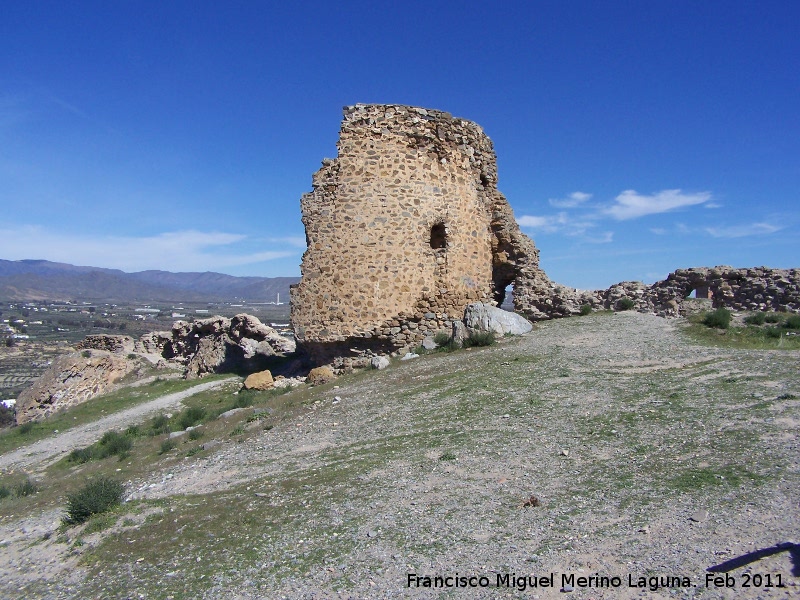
(750, 557)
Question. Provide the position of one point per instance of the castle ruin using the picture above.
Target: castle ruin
(405, 228)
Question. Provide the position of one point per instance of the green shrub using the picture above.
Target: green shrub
(194, 451)
(113, 443)
(773, 332)
(97, 496)
(158, 425)
(441, 339)
(25, 428)
(133, 431)
(7, 418)
(80, 455)
(243, 399)
(448, 455)
(167, 445)
(586, 309)
(625, 304)
(480, 338)
(25, 488)
(792, 322)
(191, 416)
(86, 354)
(195, 434)
(720, 318)
(772, 317)
(5, 492)
(756, 318)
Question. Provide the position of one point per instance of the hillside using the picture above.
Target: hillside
(610, 445)
(41, 279)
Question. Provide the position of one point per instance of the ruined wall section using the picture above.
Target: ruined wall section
(399, 231)
(750, 289)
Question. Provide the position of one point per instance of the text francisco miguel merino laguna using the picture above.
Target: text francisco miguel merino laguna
(572, 581)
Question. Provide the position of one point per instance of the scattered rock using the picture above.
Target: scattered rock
(259, 381)
(229, 413)
(320, 375)
(484, 317)
(379, 362)
(409, 356)
(700, 516)
(429, 344)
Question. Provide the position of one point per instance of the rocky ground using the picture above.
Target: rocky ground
(604, 446)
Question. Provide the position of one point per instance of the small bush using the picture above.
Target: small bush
(720, 318)
(792, 322)
(195, 434)
(113, 443)
(441, 339)
(756, 318)
(159, 425)
(80, 455)
(238, 431)
(133, 431)
(86, 354)
(447, 456)
(25, 488)
(194, 451)
(132, 356)
(7, 418)
(773, 332)
(586, 309)
(625, 304)
(243, 399)
(5, 491)
(168, 445)
(191, 416)
(480, 338)
(25, 428)
(97, 496)
(772, 317)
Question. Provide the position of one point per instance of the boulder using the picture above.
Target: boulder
(320, 375)
(72, 379)
(221, 345)
(379, 362)
(429, 344)
(259, 381)
(459, 334)
(484, 317)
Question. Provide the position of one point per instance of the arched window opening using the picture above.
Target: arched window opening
(438, 236)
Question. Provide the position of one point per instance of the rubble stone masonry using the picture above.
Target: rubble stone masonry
(404, 229)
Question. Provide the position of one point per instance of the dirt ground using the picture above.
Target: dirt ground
(606, 455)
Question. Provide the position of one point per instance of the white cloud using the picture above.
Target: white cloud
(736, 231)
(535, 222)
(631, 205)
(171, 251)
(604, 238)
(571, 201)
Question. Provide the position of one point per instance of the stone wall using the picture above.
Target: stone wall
(405, 228)
(756, 288)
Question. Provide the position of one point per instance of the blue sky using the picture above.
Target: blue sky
(633, 138)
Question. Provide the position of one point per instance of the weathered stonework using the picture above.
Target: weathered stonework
(405, 228)
(757, 288)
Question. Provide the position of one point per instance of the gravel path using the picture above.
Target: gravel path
(40, 454)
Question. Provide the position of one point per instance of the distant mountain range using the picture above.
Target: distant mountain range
(45, 280)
